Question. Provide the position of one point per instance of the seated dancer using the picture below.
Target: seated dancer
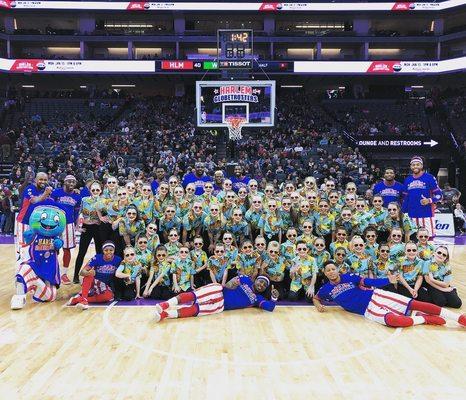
(239, 292)
(355, 295)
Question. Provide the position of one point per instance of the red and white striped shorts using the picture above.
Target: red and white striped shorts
(209, 298)
(383, 302)
(69, 237)
(428, 223)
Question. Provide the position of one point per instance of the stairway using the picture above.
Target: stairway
(5, 169)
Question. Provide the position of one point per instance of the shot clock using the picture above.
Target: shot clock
(235, 48)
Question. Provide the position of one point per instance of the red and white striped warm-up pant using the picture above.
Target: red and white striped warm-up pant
(69, 236)
(209, 298)
(428, 223)
(383, 302)
(42, 291)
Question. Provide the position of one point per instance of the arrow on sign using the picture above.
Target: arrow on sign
(432, 143)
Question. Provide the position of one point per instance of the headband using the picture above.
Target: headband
(417, 159)
(263, 277)
(108, 244)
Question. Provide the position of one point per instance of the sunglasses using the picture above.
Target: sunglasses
(237, 215)
(151, 228)
(392, 209)
(370, 236)
(161, 255)
(129, 254)
(360, 205)
(358, 245)
(319, 244)
(227, 238)
(396, 235)
(272, 206)
(197, 208)
(260, 244)
(377, 201)
(190, 190)
(273, 251)
(411, 250)
(163, 188)
(122, 194)
(142, 242)
(341, 234)
(172, 183)
(333, 197)
(208, 187)
(269, 191)
(441, 254)
(170, 211)
(291, 235)
(384, 251)
(230, 197)
(351, 189)
(423, 236)
(301, 248)
(146, 190)
(247, 247)
(324, 206)
(112, 182)
(131, 213)
(183, 251)
(198, 243)
(95, 190)
(286, 204)
(307, 226)
(257, 202)
(311, 197)
(294, 197)
(214, 209)
(219, 251)
(346, 215)
(340, 254)
(173, 235)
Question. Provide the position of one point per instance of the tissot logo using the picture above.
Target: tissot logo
(397, 67)
(40, 66)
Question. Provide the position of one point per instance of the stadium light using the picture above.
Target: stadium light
(83, 87)
(123, 86)
(291, 86)
(28, 86)
(417, 87)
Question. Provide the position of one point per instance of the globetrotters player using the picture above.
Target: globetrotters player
(31, 195)
(239, 292)
(69, 201)
(355, 294)
(421, 192)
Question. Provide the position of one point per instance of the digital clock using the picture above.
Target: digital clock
(235, 48)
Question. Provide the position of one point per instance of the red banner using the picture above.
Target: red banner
(27, 65)
(137, 6)
(177, 65)
(384, 67)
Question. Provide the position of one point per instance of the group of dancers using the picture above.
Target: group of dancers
(215, 248)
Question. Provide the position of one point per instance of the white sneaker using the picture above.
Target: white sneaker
(18, 301)
(158, 318)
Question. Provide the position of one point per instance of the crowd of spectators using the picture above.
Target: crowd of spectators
(161, 131)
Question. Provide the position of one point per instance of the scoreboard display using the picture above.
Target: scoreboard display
(235, 48)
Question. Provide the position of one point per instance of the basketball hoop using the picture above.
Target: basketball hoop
(235, 124)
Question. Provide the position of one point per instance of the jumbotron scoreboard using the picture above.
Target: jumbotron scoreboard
(235, 48)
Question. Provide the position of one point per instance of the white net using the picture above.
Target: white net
(235, 124)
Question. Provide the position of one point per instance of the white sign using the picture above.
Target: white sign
(444, 225)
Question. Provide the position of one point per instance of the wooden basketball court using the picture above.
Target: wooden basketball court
(49, 351)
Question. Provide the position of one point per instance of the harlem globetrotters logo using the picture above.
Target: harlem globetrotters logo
(236, 93)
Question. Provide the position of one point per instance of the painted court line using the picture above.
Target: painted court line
(340, 357)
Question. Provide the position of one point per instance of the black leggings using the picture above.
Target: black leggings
(91, 232)
(422, 293)
(444, 299)
(124, 291)
(161, 293)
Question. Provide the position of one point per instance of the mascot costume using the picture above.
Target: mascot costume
(40, 274)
